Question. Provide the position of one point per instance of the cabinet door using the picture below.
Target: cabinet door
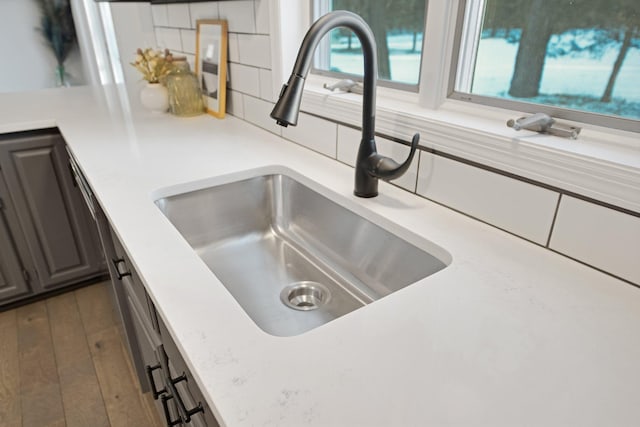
(13, 279)
(54, 220)
(188, 389)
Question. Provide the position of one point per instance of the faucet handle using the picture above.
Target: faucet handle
(347, 85)
(387, 168)
(543, 123)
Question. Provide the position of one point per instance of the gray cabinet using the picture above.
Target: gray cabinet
(13, 277)
(51, 238)
(158, 364)
(160, 367)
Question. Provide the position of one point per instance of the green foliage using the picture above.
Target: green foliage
(57, 28)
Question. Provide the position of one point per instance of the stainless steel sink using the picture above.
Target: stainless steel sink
(291, 257)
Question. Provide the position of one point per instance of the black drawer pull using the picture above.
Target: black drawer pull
(167, 416)
(154, 390)
(116, 263)
(185, 413)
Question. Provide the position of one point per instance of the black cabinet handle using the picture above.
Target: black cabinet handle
(167, 416)
(185, 414)
(116, 262)
(154, 390)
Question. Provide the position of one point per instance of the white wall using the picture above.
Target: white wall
(133, 26)
(27, 63)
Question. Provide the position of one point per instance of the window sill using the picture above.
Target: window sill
(603, 164)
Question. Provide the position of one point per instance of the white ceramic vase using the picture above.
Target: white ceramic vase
(155, 97)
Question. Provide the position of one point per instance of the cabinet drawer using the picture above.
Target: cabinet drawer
(148, 344)
(184, 389)
(188, 389)
(133, 284)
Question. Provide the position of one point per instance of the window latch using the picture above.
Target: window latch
(543, 123)
(346, 85)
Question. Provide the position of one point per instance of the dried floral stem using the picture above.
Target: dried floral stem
(57, 28)
(154, 65)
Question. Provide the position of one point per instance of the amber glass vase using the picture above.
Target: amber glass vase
(185, 96)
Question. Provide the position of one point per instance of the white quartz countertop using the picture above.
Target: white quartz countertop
(509, 334)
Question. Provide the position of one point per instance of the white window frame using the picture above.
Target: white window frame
(603, 163)
(323, 51)
(467, 41)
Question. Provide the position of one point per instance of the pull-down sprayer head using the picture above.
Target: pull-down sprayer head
(286, 110)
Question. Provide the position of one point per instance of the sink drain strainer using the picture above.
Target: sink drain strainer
(305, 296)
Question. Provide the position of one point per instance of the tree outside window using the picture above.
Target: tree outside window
(579, 54)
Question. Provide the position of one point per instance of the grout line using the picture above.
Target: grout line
(336, 144)
(243, 107)
(553, 221)
(415, 187)
(250, 66)
(532, 182)
(190, 20)
(255, 16)
(482, 221)
(622, 279)
(494, 170)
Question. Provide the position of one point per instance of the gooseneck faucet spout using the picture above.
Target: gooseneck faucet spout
(369, 164)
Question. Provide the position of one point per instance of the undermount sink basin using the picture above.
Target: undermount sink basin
(291, 257)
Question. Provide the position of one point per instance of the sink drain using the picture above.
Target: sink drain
(305, 296)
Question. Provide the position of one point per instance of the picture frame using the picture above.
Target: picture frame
(211, 64)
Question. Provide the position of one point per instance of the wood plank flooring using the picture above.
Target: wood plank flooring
(63, 362)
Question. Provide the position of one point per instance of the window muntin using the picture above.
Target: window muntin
(399, 36)
(578, 60)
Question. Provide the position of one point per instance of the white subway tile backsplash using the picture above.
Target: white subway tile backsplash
(169, 38)
(244, 79)
(160, 15)
(239, 15)
(349, 141)
(518, 207)
(257, 112)
(204, 10)
(235, 104)
(188, 41)
(179, 15)
(266, 85)
(234, 54)
(254, 50)
(262, 16)
(314, 133)
(599, 236)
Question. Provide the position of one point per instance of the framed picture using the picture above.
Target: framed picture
(211, 64)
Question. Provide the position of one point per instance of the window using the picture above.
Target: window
(398, 27)
(574, 57)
